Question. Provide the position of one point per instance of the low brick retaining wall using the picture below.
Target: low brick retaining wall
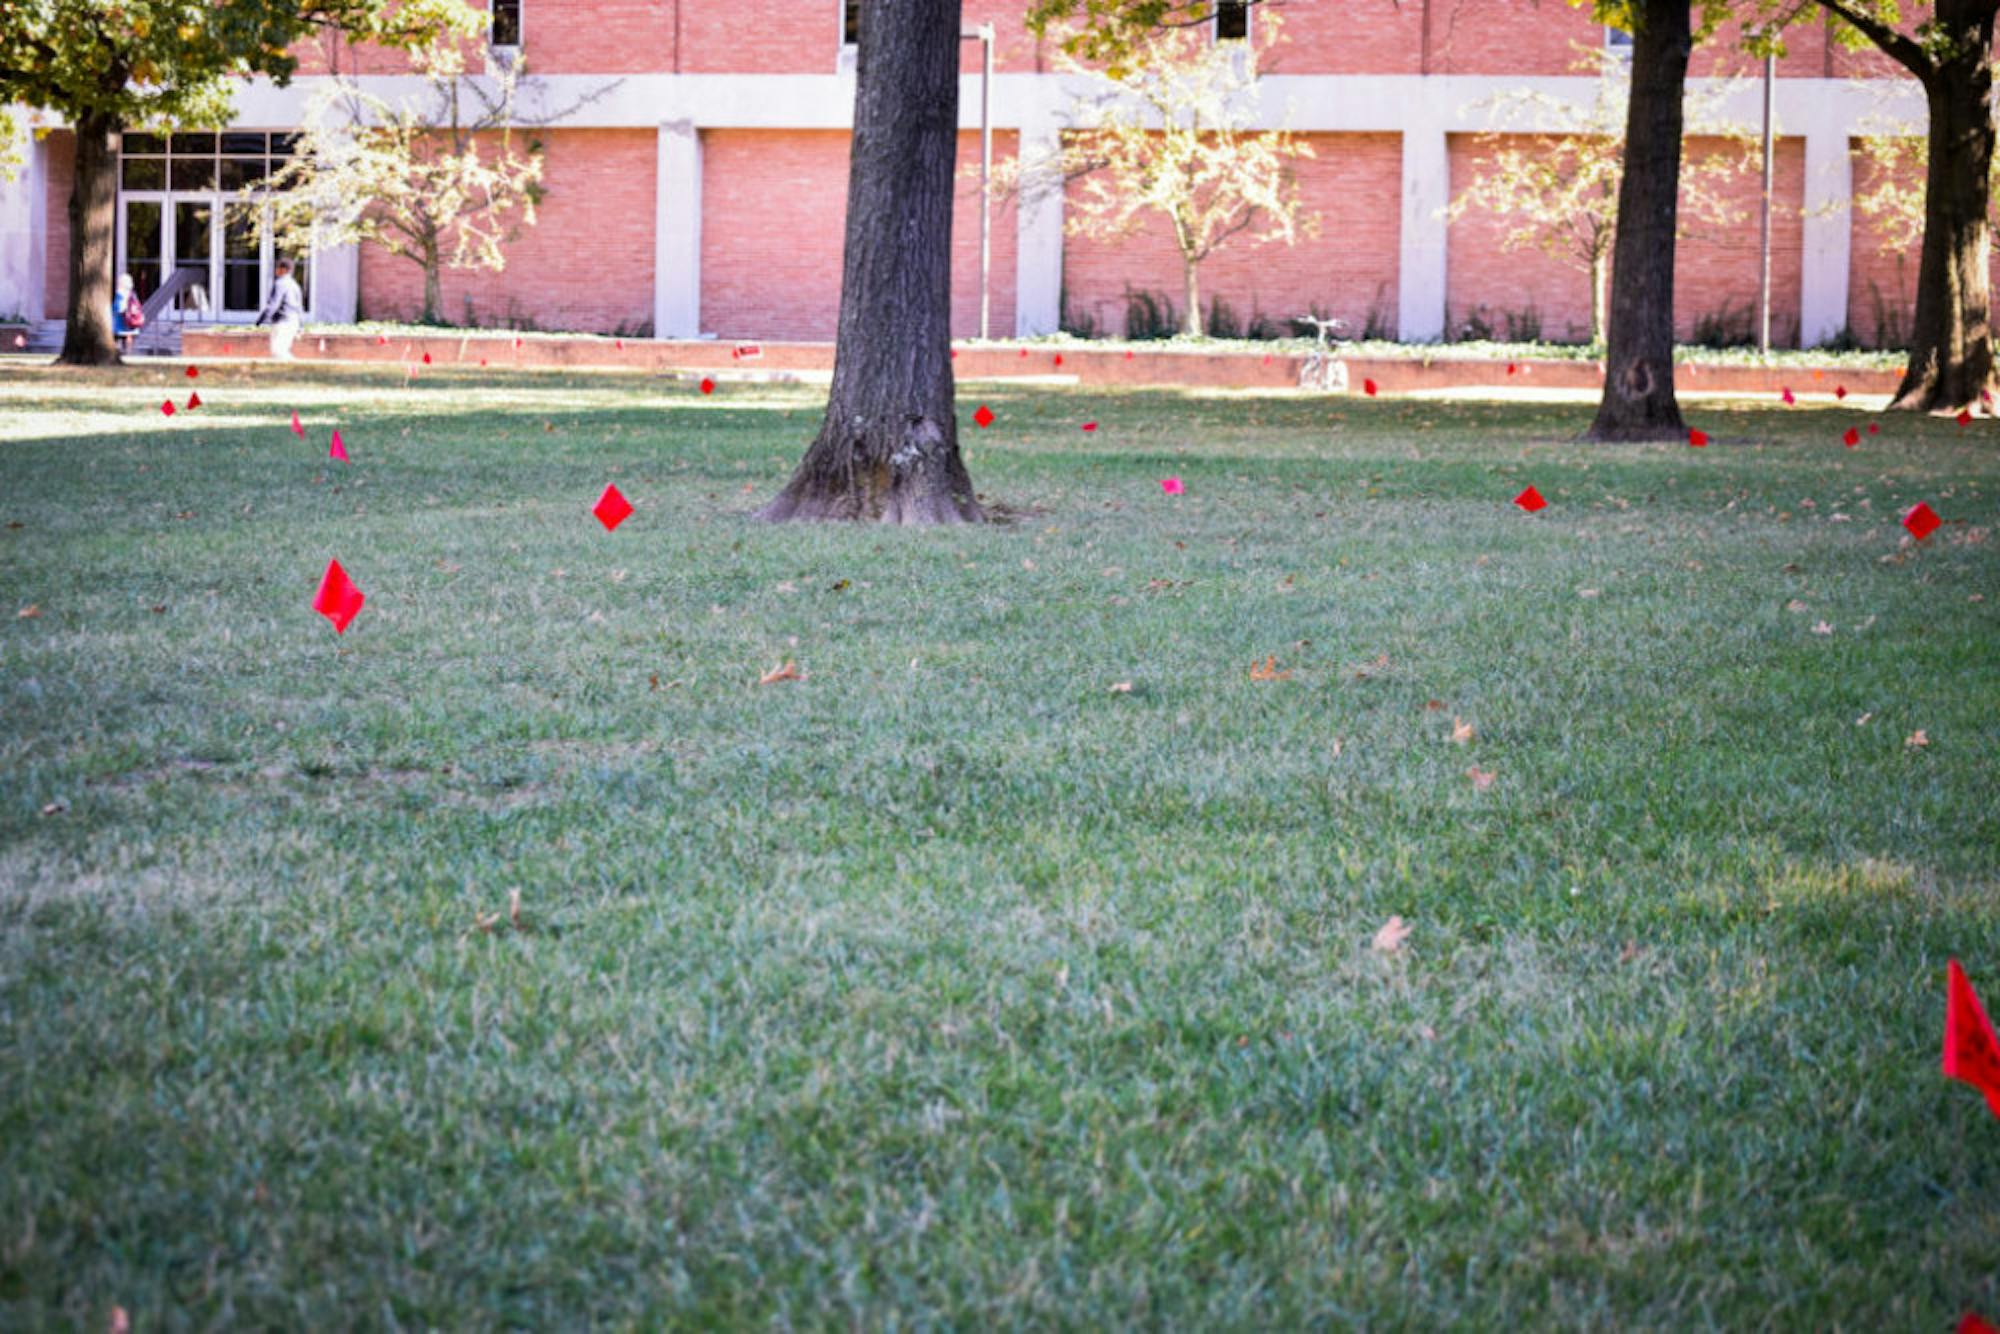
(1162, 368)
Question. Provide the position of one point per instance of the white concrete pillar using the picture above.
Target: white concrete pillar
(677, 233)
(336, 283)
(1038, 245)
(1829, 236)
(1420, 289)
(24, 230)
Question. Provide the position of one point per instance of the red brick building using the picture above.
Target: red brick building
(703, 192)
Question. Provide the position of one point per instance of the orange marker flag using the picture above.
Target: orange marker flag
(1971, 1052)
(337, 450)
(338, 599)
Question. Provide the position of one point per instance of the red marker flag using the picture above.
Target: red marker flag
(612, 508)
(1368, 388)
(1128, 354)
(427, 358)
(194, 400)
(338, 449)
(620, 344)
(1024, 351)
(338, 599)
(1698, 439)
(228, 349)
(1922, 521)
(1852, 438)
(1531, 500)
(381, 340)
(517, 345)
(707, 385)
(1840, 391)
(984, 416)
(1972, 1324)
(298, 427)
(1058, 358)
(167, 408)
(1512, 369)
(1971, 1052)
(1965, 416)
(1090, 426)
(1786, 394)
(1873, 429)
(193, 371)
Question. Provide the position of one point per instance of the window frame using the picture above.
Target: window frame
(520, 26)
(1618, 42)
(1215, 21)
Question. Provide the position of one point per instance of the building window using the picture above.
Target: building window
(1232, 21)
(507, 23)
(850, 22)
(1618, 42)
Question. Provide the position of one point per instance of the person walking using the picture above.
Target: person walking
(284, 311)
(126, 314)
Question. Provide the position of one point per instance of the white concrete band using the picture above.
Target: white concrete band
(677, 233)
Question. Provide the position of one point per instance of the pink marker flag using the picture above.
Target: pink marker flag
(1698, 439)
(194, 400)
(167, 408)
(1531, 500)
(338, 449)
(1368, 388)
(298, 427)
(1786, 394)
(612, 508)
(1852, 438)
(228, 349)
(20, 340)
(1171, 485)
(707, 385)
(1128, 354)
(1922, 521)
(482, 361)
(984, 416)
(1971, 1051)
(193, 371)
(338, 599)
(381, 340)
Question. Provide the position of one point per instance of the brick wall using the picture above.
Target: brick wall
(61, 146)
(773, 207)
(1716, 264)
(587, 266)
(1882, 277)
(1354, 183)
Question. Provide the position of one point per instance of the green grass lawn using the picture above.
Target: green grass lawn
(949, 986)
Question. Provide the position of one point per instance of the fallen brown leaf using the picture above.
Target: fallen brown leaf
(1481, 778)
(1795, 605)
(55, 808)
(1392, 935)
(1917, 740)
(1822, 628)
(784, 671)
(1434, 706)
(29, 612)
(1461, 731)
(1121, 688)
(514, 908)
(1269, 671)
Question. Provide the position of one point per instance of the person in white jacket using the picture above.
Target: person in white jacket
(284, 311)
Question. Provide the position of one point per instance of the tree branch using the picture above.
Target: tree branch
(1905, 51)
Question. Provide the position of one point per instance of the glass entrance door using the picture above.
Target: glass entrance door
(142, 234)
(194, 248)
(242, 268)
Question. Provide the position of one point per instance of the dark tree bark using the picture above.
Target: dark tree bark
(93, 226)
(1951, 341)
(887, 449)
(1639, 402)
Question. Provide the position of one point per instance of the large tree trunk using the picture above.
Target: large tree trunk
(93, 228)
(1191, 322)
(1638, 402)
(887, 449)
(1951, 347)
